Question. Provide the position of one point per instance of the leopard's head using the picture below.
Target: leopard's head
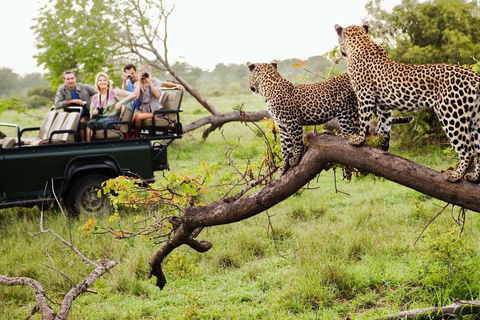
(260, 72)
(349, 34)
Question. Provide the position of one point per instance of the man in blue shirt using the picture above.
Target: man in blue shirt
(129, 78)
(72, 93)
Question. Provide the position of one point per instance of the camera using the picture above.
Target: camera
(100, 111)
(145, 74)
(129, 76)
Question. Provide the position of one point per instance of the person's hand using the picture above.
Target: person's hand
(124, 77)
(118, 105)
(179, 86)
(77, 101)
(95, 112)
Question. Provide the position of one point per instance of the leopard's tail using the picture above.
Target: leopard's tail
(400, 120)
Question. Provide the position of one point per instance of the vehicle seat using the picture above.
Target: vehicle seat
(171, 100)
(70, 123)
(56, 125)
(42, 131)
(8, 142)
(126, 115)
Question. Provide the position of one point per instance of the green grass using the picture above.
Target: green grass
(331, 255)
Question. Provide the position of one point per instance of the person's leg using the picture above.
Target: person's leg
(89, 134)
(81, 131)
(139, 117)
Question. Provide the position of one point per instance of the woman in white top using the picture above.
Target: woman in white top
(149, 91)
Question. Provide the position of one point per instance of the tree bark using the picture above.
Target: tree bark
(453, 311)
(217, 121)
(40, 297)
(322, 152)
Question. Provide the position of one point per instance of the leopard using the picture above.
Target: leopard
(295, 105)
(452, 91)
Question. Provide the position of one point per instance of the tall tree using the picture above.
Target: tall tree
(91, 35)
(436, 31)
(75, 35)
(8, 82)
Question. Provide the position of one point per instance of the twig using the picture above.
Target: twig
(335, 182)
(429, 222)
(270, 227)
(61, 272)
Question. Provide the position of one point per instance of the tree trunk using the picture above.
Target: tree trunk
(193, 92)
(322, 152)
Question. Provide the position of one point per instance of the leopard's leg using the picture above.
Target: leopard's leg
(296, 133)
(459, 141)
(474, 130)
(287, 147)
(384, 125)
(366, 104)
(348, 120)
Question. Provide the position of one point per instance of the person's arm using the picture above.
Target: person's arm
(59, 100)
(91, 90)
(93, 110)
(155, 90)
(134, 95)
(167, 84)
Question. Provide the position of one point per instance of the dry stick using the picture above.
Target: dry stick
(429, 222)
(452, 311)
(273, 235)
(335, 180)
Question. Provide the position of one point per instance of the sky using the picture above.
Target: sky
(206, 32)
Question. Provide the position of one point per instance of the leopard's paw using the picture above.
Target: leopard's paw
(473, 177)
(452, 175)
(356, 140)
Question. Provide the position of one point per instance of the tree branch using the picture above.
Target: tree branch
(323, 150)
(40, 297)
(453, 311)
(217, 121)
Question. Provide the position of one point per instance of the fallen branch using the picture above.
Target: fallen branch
(453, 311)
(101, 267)
(217, 121)
(323, 150)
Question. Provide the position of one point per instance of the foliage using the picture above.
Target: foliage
(12, 83)
(168, 196)
(8, 81)
(75, 35)
(435, 31)
(9, 104)
(449, 260)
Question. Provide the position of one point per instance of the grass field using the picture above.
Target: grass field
(331, 255)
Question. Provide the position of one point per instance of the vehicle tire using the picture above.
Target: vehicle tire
(83, 198)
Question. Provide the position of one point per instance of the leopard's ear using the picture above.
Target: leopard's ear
(251, 66)
(274, 63)
(366, 26)
(339, 30)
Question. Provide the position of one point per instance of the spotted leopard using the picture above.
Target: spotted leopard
(293, 106)
(452, 91)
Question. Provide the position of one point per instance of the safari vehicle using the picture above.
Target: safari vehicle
(53, 165)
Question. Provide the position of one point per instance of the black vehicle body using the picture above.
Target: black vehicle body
(31, 174)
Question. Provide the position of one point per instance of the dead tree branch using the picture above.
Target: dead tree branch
(454, 311)
(217, 121)
(40, 297)
(323, 150)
